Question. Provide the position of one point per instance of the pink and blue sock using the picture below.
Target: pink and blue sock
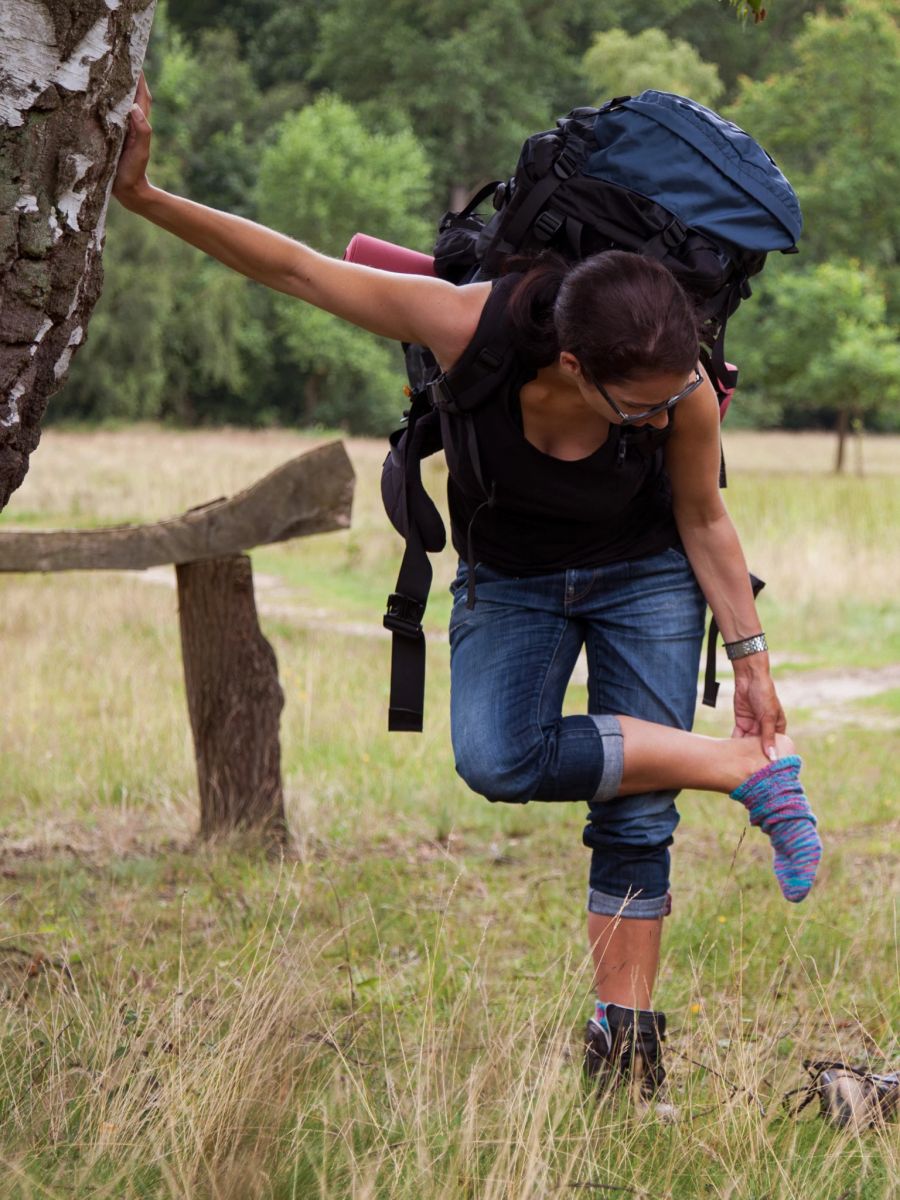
(776, 802)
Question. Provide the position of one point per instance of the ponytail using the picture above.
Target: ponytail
(531, 303)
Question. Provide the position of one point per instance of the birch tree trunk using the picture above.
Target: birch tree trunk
(68, 72)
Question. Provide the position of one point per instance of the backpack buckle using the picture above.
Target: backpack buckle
(613, 105)
(489, 359)
(404, 615)
(546, 225)
(566, 165)
(674, 233)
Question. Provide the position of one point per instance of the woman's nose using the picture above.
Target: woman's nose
(657, 421)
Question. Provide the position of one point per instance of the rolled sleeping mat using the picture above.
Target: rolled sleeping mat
(387, 256)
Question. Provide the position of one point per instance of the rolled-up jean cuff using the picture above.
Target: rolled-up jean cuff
(634, 906)
(610, 731)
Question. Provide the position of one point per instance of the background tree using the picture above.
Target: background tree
(472, 79)
(175, 334)
(619, 64)
(324, 178)
(737, 47)
(833, 123)
(123, 371)
(208, 117)
(818, 349)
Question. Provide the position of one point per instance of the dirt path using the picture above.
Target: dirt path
(827, 694)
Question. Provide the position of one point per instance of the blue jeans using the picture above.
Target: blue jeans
(511, 657)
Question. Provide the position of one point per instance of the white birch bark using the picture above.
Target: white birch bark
(68, 72)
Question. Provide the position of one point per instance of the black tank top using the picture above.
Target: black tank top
(547, 514)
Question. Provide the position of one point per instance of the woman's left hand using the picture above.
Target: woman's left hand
(757, 709)
(131, 173)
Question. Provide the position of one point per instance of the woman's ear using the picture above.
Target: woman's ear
(570, 364)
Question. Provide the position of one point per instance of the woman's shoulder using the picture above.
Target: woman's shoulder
(458, 331)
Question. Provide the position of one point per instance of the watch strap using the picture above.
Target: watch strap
(751, 645)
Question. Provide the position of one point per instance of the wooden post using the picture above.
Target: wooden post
(234, 698)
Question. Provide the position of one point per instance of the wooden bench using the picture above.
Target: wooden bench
(230, 670)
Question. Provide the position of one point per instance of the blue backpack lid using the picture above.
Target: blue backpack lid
(705, 170)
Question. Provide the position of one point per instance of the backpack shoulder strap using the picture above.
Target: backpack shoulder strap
(472, 380)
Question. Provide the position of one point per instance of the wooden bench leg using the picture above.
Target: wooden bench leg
(234, 698)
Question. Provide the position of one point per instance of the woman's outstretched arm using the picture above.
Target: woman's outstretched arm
(412, 308)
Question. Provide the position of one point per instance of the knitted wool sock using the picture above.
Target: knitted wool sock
(775, 800)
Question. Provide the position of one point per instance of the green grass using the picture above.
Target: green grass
(392, 1010)
(887, 702)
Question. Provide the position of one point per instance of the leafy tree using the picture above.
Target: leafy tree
(175, 335)
(214, 345)
(833, 123)
(817, 346)
(243, 17)
(620, 64)
(283, 48)
(324, 178)
(737, 47)
(122, 371)
(205, 116)
(277, 39)
(472, 79)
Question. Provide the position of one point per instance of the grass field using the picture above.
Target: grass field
(392, 1010)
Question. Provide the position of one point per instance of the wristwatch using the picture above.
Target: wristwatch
(750, 645)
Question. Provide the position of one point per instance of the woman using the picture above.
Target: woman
(607, 529)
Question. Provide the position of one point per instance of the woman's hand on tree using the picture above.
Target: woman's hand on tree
(757, 709)
(131, 174)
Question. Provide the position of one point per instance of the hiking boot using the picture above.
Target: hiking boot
(630, 1053)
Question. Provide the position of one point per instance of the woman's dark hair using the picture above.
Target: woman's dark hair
(623, 316)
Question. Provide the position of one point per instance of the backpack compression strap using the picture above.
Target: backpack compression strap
(406, 604)
(406, 607)
(530, 215)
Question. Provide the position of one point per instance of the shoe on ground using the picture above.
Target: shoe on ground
(629, 1054)
(851, 1097)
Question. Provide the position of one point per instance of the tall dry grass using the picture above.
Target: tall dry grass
(246, 1077)
(394, 1010)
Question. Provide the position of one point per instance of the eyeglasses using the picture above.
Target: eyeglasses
(644, 414)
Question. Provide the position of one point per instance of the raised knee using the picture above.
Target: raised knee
(497, 774)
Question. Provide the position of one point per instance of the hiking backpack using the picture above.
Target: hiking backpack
(655, 174)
